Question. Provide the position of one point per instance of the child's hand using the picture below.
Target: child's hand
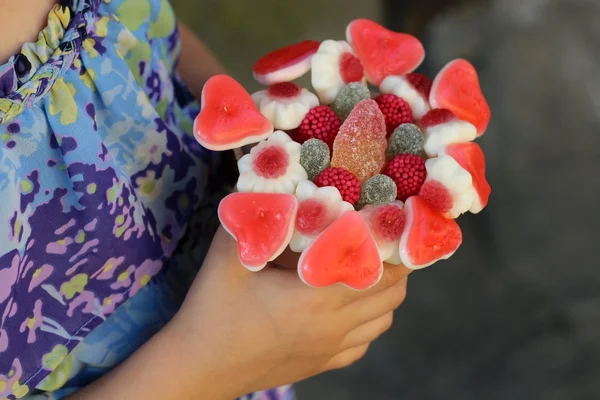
(255, 331)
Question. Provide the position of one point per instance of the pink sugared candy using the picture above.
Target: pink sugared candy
(383, 52)
(456, 88)
(317, 209)
(387, 224)
(471, 158)
(360, 144)
(285, 104)
(441, 128)
(285, 64)
(273, 166)
(334, 66)
(448, 188)
(262, 224)
(229, 118)
(428, 236)
(413, 88)
(344, 253)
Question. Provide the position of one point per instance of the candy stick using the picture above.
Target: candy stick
(239, 153)
(242, 151)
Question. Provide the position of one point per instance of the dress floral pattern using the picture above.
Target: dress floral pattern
(99, 180)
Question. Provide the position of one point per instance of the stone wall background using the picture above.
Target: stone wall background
(515, 314)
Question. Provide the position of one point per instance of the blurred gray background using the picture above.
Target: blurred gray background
(515, 314)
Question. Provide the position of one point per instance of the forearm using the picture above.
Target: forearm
(197, 63)
(161, 369)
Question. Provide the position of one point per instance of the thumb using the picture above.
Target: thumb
(223, 242)
(223, 253)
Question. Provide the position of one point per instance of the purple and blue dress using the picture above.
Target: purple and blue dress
(107, 202)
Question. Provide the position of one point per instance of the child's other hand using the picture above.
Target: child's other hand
(256, 331)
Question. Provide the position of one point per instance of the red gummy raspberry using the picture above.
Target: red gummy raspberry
(344, 181)
(437, 116)
(408, 172)
(321, 123)
(420, 82)
(395, 110)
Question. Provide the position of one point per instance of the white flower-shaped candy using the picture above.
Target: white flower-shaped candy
(448, 187)
(402, 86)
(441, 128)
(387, 224)
(334, 66)
(285, 104)
(318, 207)
(273, 166)
(470, 156)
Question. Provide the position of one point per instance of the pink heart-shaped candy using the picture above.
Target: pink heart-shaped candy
(471, 158)
(229, 118)
(383, 52)
(428, 236)
(344, 253)
(262, 224)
(456, 88)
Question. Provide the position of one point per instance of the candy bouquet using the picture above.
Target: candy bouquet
(373, 167)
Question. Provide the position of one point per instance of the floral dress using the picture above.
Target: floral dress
(107, 201)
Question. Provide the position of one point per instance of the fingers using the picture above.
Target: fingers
(346, 358)
(223, 253)
(378, 304)
(339, 296)
(368, 332)
(224, 250)
(392, 274)
(223, 242)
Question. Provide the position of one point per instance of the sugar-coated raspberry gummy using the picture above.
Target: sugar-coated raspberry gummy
(360, 144)
(319, 123)
(408, 172)
(396, 111)
(344, 181)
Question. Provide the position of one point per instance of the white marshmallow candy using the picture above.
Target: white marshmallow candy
(318, 207)
(285, 104)
(471, 158)
(386, 223)
(440, 134)
(448, 187)
(273, 166)
(334, 66)
(401, 87)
